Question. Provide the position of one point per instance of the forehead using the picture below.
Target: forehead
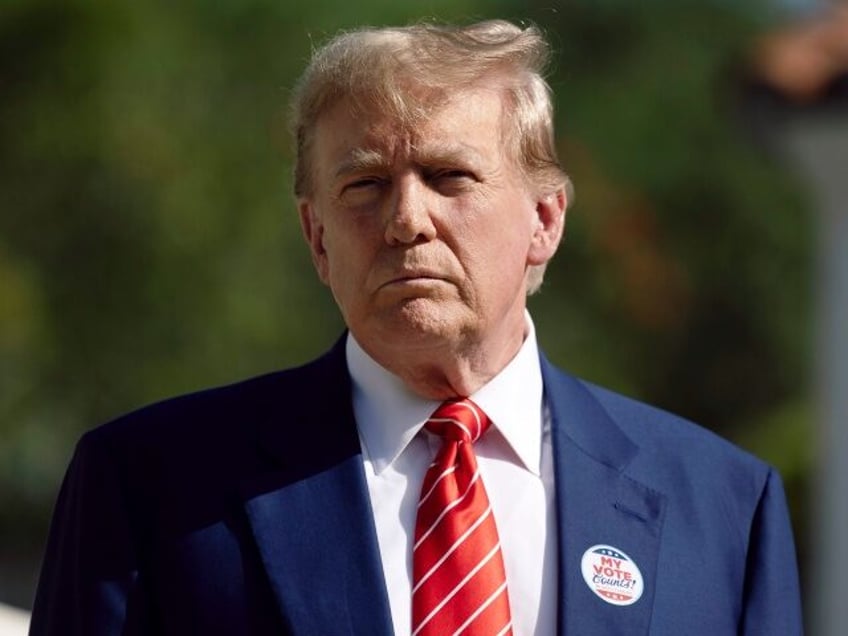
(467, 125)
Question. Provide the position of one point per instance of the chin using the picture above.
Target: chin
(420, 322)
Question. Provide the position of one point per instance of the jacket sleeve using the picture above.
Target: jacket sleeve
(772, 596)
(89, 583)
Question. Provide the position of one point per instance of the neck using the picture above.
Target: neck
(447, 371)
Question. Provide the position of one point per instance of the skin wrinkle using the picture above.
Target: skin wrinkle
(425, 236)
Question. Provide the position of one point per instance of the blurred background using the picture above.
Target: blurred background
(149, 243)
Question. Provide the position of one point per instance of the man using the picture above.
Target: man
(433, 473)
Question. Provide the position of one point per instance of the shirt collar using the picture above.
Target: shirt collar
(389, 415)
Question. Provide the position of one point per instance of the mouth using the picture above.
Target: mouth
(415, 277)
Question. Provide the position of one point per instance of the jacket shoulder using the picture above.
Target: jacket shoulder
(659, 431)
(229, 410)
(206, 441)
(706, 476)
(663, 451)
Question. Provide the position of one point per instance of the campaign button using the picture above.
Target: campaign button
(612, 575)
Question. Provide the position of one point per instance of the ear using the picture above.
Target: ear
(313, 232)
(549, 226)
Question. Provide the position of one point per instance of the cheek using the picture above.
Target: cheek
(494, 237)
(496, 260)
(509, 238)
(348, 254)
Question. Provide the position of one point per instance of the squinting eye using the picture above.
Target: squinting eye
(453, 182)
(364, 187)
(454, 174)
(362, 183)
(362, 191)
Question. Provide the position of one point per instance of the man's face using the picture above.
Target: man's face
(424, 236)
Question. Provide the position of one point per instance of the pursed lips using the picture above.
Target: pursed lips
(413, 276)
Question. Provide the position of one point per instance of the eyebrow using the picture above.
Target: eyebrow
(360, 160)
(447, 152)
(364, 159)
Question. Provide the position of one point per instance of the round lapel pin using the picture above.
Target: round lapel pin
(612, 575)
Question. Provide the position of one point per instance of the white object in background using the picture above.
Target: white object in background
(13, 621)
(819, 145)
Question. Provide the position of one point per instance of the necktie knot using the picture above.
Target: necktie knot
(458, 420)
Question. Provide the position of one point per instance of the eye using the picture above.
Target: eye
(360, 186)
(454, 175)
(362, 183)
(361, 191)
(452, 181)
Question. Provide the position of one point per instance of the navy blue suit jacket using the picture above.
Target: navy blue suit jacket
(244, 510)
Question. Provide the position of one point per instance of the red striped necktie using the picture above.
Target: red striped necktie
(458, 579)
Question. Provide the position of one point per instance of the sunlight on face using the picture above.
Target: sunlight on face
(424, 236)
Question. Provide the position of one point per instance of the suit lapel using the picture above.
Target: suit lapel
(598, 503)
(311, 515)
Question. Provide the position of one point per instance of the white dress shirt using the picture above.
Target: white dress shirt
(515, 460)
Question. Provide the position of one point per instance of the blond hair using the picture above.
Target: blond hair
(406, 71)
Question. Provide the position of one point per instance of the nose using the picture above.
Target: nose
(410, 213)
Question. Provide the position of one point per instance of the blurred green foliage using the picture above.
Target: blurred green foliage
(149, 244)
